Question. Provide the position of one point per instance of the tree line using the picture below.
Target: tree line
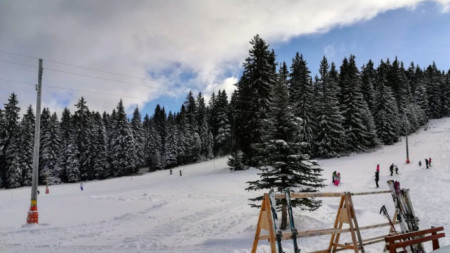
(275, 109)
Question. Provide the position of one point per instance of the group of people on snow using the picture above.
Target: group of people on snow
(427, 162)
(393, 168)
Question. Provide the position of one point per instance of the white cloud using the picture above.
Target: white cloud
(208, 39)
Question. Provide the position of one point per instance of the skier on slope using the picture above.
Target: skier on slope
(396, 169)
(333, 177)
(391, 168)
(420, 163)
(81, 186)
(377, 177)
(429, 161)
(378, 167)
(426, 162)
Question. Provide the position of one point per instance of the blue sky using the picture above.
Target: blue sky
(421, 35)
(153, 52)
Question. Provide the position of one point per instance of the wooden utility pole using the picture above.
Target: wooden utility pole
(33, 216)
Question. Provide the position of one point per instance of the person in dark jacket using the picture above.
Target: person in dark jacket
(391, 168)
(377, 177)
(426, 162)
(420, 163)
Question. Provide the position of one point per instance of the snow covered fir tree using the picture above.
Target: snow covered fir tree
(342, 110)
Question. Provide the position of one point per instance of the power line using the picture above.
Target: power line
(17, 63)
(11, 53)
(75, 65)
(94, 92)
(100, 78)
(62, 88)
(20, 82)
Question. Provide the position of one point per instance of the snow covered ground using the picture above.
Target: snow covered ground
(206, 209)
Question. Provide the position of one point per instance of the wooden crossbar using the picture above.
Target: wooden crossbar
(423, 237)
(328, 231)
(299, 195)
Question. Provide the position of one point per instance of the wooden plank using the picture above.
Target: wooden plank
(270, 221)
(352, 228)
(413, 234)
(320, 232)
(297, 195)
(369, 193)
(336, 225)
(343, 216)
(355, 220)
(261, 218)
(416, 241)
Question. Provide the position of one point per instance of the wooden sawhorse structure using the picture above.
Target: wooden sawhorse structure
(345, 215)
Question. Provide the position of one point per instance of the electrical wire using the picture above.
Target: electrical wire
(75, 65)
(20, 82)
(100, 78)
(17, 63)
(93, 92)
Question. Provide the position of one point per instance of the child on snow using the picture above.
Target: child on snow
(337, 179)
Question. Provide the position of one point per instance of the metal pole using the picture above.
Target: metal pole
(33, 212)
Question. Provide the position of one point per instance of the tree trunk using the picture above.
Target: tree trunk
(283, 214)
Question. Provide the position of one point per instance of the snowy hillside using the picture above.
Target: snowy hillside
(206, 209)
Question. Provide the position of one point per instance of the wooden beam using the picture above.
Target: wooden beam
(297, 195)
(320, 232)
(417, 241)
(413, 234)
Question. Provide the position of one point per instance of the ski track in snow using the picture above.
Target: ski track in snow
(206, 210)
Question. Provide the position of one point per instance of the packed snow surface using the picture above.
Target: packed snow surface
(206, 209)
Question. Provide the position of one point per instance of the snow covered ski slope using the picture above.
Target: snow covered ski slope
(206, 209)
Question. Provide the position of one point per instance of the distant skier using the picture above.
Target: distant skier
(429, 161)
(391, 168)
(333, 177)
(420, 163)
(81, 186)
(378, 167)
(170, 171)
(426, 162)
(396, 169)
(181, 173)
(377, 177)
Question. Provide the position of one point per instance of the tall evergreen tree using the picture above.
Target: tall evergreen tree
(368, 79)
(282, 162)
(70, 162)
(204, 132)
(354, 108)
(81, 127)
(10, 132)
(122, 154)
(26, 141)
(302, 97)
(253, 97)
(139, 136)
(223, 136)
(99, 167)
(330, 137)
(171, 143)
(433, 85)
(386, 117)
